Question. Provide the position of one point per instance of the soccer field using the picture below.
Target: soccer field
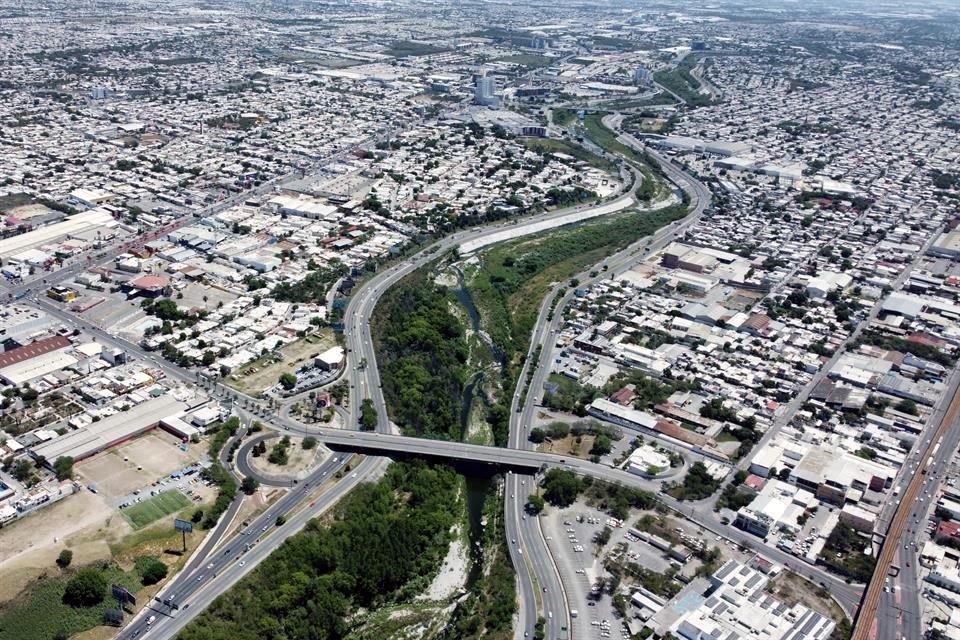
(151, 510)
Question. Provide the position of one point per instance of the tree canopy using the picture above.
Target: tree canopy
(381, 537)
(85, 589)
(422, 351)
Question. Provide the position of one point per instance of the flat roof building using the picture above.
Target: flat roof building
(97, 436)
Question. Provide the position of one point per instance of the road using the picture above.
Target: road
(245, 469)
(197, 587)
(891, 605)
(527, 531)
(210, 574)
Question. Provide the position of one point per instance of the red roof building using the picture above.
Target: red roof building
(27, 352)
(948, 529)
(151, 283)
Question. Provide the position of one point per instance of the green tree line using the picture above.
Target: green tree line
(422, 353)
(384, 542)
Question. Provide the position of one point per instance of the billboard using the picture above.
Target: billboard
(183, 525)
(122, 595)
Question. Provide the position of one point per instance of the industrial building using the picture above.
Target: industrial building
(111, 431)
(735, 604)
(34, 360)
(83, 226)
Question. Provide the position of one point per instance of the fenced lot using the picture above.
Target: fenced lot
(152, 509)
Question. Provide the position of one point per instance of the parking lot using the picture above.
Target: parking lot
(570, 534)
(134, 464)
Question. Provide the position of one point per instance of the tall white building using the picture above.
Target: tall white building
(642, 75)
(485, 92)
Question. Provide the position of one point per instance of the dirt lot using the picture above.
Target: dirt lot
(194, 294)
(268, 372)
(301, 460)
(115, 471)
(792, 589)
(569, 446)
(28, 547)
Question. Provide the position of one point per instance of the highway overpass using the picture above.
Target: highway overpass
(383, 444)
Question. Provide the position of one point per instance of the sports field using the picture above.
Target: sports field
(152, 509)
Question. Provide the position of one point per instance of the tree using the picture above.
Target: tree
(150, 569)
(21, 470)
(537, 435)
(249, 485)
(907, 406)
(535, 503)
(368, 415)
(309, 443)
(85, 589)
(601, 445)
(197, 516)
(281, 520)
(561, 487)
(65, 558)
(288, 381)
(63, 468)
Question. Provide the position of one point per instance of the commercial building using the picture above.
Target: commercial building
(111, 431)
(647, 462)
(331, 359)
(735, 604)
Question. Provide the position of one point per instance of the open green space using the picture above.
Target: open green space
(531, 61)
(14, 200)
(605, 138)
(844, 553)
(406, 48)
(656, 100)
(680, 81)
(422, 354)
(515, 277)
(152, 509)
(40, 613)
(620, 44)
(550, 145)
(562, 117)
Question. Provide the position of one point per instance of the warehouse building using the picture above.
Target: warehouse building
(98, 436)
(82, 225)
(735, 603)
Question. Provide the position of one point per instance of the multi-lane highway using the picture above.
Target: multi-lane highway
(526, 531)
(541, 592)
(891, 604)
(214, 571)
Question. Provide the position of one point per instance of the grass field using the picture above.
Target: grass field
(152, 509)
(406, 49)
(528, 60)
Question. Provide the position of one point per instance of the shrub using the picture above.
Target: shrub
(150, 569)
(65, 558)
(85, 589)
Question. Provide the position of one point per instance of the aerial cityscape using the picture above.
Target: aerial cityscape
(479, 320)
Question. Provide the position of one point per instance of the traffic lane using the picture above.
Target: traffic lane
(528, 611)
(189, 582)
(204, 596)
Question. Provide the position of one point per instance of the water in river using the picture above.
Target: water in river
(466, 301)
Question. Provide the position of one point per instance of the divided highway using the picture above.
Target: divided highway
(222, 562)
